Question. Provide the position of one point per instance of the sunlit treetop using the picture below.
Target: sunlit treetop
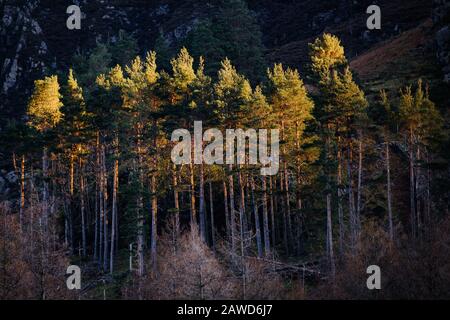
(44, 106)
(182, 69)
(289, 97)
(326, 54)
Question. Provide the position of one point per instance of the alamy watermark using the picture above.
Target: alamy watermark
(374, 280)
(374, 20)
(235, 147)
(73, 281)
(74, 20)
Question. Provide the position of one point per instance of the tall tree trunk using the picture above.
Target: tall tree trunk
(351, 209)
(359, 188)
(83, 209)
(389, 194)
(241, 211)
(256, 214)
(192, 195)
(45, 188)
(100, 199)
(71, 175)
(272, 212)
(330, 236)
(22, 193)
(417, 187)
(202, 209)
(211, 208)
(140, 203)
(71, 193)
(114, 206)
(96, 223)
(227, 214)
(411, 183)
(265, 218)
(176, 200)
(283, 208)
(288, 205)
(232, 211)
(154, 231)
(105, 209)
(339, 199)
(428, 205)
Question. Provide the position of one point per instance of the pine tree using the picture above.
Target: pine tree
(292, 108)
(44, 112)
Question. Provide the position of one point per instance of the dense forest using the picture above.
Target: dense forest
(363, 175)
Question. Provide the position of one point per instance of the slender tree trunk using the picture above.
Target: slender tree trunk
(272, 213)
(176, 200)
(417, 187)
(105, 209)
(192, 195)
(288, 205)
(283, 208)
(83, 209)
(154, 231)
(256, 214)
(351, 209)
(140, 211)
(202, 209)
(96, 223)
(211, 208)
(71, 175)
(411, 183)
(232, 212)
(22, 193)
(359, 188)
(265, 218)
(428, 206)
(100, 199)
(389, 195)
(114, 206)
(45, 188)
(241, 211)
(330, 236)
(339, 199)
(227, 214)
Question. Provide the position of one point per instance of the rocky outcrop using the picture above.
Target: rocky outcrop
(441, 18)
